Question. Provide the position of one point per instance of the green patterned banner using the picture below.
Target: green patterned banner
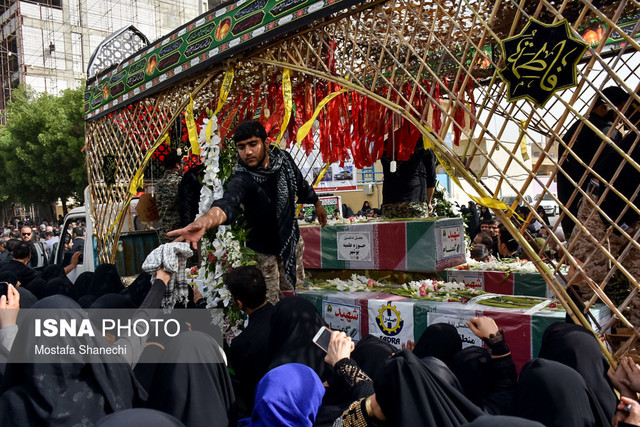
(201, 43)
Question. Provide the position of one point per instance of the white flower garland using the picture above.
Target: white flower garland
(213, 190)
(522, 266)
(434, 289)
(418, 289)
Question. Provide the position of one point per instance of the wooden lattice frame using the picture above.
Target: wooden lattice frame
(402, 36)
(125, 134)
(392, 43)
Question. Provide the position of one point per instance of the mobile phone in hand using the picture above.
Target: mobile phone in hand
(322, 338)
(4, 289)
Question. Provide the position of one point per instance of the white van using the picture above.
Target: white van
(136, 242)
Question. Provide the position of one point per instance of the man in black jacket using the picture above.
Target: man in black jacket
(619, 223)
(38, 252)
(584, 148)
(19, 265)
(247, 353)
(266, 184)
(408, 186)
(5, 255)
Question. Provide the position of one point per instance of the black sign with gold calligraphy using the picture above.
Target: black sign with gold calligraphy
(540, 60)
(109, 169)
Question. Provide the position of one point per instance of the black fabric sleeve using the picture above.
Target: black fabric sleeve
(154, 296)
(235, 193)
(186, 194)
(305, 193)
(499, 398)
(136, 342)
(183, 203)
(430, 165)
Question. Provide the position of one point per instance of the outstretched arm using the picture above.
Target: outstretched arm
(75, 259)
(321, 214)
(193, 232)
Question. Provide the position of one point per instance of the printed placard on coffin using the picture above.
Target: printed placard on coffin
(343, 312)
(391, 321)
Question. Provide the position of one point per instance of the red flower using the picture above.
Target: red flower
(423, 290)
(371, 283)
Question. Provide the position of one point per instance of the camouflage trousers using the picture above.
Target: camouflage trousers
(406, 210)
(273, 271)
(596, 264)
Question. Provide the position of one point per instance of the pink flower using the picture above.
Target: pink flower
(371, 283)
(423, 290)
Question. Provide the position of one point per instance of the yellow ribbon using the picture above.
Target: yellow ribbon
(306, 128)
(225, 88)
(138, 178)
(209, 129)
(321, 174)
(523, 142)
(191, 128)
(288, 102)
(125, 207)
(426, 142)
(483, 201)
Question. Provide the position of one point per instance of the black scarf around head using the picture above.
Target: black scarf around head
(556, 395)
(413, 393)
(575, 346)
(71, 392)
(192, 382)
(294, 322)
(281, 167)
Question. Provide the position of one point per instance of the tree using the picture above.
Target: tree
(41, 147)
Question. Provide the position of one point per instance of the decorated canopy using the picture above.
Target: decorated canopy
(338, 79)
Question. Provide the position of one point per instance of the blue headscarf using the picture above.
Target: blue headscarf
(289, 395)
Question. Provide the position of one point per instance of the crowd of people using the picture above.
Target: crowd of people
(273, 374)
(26, 251)
(491, 240)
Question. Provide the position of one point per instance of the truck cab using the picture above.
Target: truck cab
(136, 241)
(62, 253)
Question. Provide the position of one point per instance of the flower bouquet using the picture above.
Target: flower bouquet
(433, 290)
(223, 248)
